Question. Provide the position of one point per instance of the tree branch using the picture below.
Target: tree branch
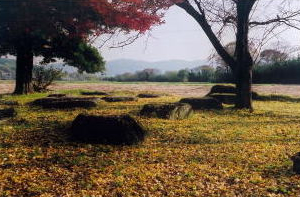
(202, 21)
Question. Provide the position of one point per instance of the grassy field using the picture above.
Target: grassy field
(214, 153)
(178, 89)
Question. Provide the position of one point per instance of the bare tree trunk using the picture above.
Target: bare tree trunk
(24, 69)
(243, 70)
(244, 88)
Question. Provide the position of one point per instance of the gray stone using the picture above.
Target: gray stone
(171, 111)
(203, 103)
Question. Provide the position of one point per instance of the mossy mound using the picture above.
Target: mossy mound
(114, 130)
(96, 93)
(171, 111)
(220, 89)
(225, 98)
(9, 103)
(57, 95)
(7, 113)
(203, 103)
(65, 102)
(119, 99)
(229, 91)
(149, 96)
(296, 165)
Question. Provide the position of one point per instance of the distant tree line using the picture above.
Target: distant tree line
(280, 72)
(76, 76)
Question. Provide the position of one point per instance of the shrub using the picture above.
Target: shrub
(44, 77)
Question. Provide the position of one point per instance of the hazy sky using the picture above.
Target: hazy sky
(179, 38)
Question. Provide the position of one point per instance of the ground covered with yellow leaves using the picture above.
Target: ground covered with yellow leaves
(214, 153)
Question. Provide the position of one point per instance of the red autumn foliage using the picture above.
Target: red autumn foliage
(61, 28)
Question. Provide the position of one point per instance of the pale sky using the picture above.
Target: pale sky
(179, 38)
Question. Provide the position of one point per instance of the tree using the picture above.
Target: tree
(230, 48)
(278, 52)
(183, 75)
(62, 29)
(43, 77)
(147, 74)
(271, 56)
(238, 16)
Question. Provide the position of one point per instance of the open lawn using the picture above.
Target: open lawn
(214, 153)
(179, 89)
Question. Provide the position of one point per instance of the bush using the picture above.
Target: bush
(44, 77)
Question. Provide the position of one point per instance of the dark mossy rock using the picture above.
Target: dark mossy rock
(65, 102)
(114, 130)
(70, 104)
(171, 111)
(7, 113)
(57, 95)
(203, 103)
(149, 96)
(255, 95)
(96, 93)
(222, 89)
(228, 89)
(119, 99)
(224, 98)
(10, 103)
(296, 165)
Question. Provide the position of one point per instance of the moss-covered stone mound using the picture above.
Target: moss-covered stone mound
(57, 95)
(95, 93)
(227, 93)
(7, 113)
(171, 111)
(114, 130)
(203, 103)
(9, 103)
(65, 102)
(119, 99)
(220, 89)
(296, 165)
(225, 98)
(149, 96)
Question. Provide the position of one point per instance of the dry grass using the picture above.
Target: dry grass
(215, 153)
(178, 89)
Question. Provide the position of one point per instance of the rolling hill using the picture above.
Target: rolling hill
(120, 66)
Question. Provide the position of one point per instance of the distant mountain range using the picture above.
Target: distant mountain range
(121, 66)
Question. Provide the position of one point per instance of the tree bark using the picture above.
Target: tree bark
(24, 69)
(244, 88)
(241, 63)
(243, 70)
